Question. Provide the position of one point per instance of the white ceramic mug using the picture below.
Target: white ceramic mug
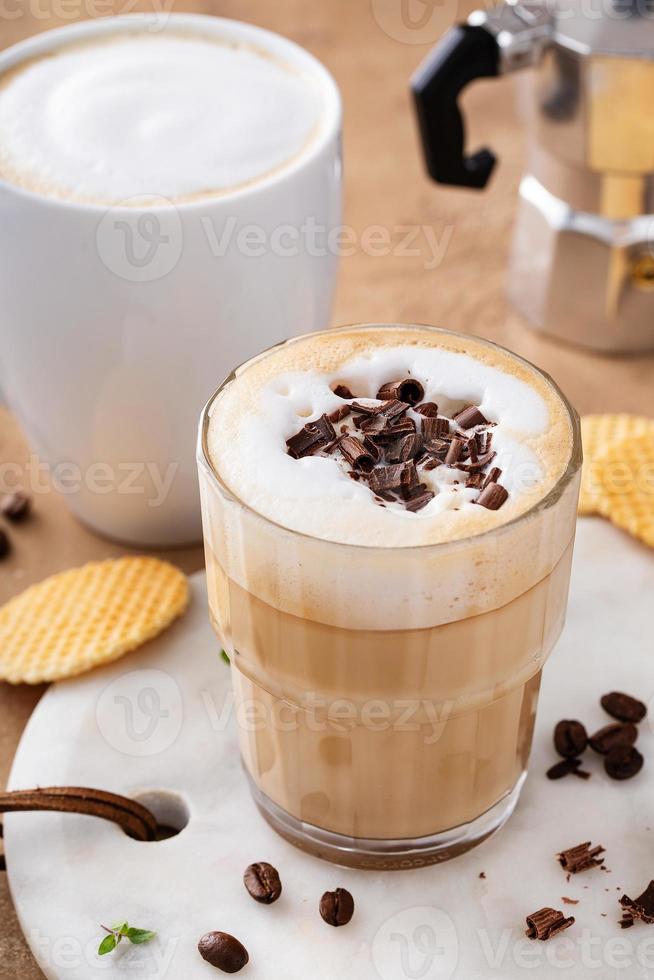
(115, 324)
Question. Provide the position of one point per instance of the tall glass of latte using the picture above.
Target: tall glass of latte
(389, 515)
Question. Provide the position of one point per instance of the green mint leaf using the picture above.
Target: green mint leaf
(107, 945)
(139, 936)
(225, 657)
(121, 928)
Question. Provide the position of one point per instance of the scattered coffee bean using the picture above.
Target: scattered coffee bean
(563, 768)
(262, 882)
(5, 546)
(570, 739)
(623, 707)
(337, 907)
(16, 506)
(223, 951)
(610, 736)
(623, 762)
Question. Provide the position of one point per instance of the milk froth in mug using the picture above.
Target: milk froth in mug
(389, 514)
(175, 115)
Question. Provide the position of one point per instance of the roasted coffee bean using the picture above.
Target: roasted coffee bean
(563, 768)
(337, 907)
(15, 506)
(223, 951)
(623, 762)
(262, 882)
(570, 739)
(623, 707)
(5, 547)
(610, 736)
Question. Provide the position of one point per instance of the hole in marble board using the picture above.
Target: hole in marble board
(170, 809)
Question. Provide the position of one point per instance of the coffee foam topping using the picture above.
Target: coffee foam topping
(272, 398)
(144, 116)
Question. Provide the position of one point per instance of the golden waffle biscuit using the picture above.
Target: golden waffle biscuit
(598, 434)
(87, 616)
(626, 473)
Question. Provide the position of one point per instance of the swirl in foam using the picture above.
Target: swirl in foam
(161, 115)
(272, 397)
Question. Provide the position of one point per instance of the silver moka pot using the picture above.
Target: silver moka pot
(582, 266)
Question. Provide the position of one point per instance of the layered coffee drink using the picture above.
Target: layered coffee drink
(389, 515)
(130, 116)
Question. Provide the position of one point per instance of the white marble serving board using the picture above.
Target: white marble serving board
(161, 720)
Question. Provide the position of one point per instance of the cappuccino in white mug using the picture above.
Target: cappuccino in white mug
(137, 116)
(143, 161)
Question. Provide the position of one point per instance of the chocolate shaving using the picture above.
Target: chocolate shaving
(373, 424)
(304, 443)
(429, 409)
(433, 428)
(492, 496)
(394, 408)
(638, 908)
(432, 463)
(343, 392)
(409, 390)
(469, 417)
(475, 481)
(410, 447)
(492, 477)
(417, 501)
(356, 454)
(404, 448)
(339, 413)
(366, 408)
(391, 432)
(547, 923)
(581, 858)
(372, 448)
(312, 437)
(397, 477)
(136, 820)
(473, 446)
(438, 447)
(477, 464)
(454, 451)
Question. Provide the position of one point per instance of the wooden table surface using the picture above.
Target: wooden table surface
(371, 51)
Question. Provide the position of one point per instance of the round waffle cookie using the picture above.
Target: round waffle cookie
(85, 617)
(626, 472)
(599, 433)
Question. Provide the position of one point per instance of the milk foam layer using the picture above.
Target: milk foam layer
(273, 397)
(161, 115)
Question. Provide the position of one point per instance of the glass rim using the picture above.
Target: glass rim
(544, 503)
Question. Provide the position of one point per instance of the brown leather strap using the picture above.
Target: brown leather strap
(136, 820)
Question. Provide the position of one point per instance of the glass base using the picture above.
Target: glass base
(386, 855)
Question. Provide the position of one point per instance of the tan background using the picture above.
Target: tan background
(372, 53)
